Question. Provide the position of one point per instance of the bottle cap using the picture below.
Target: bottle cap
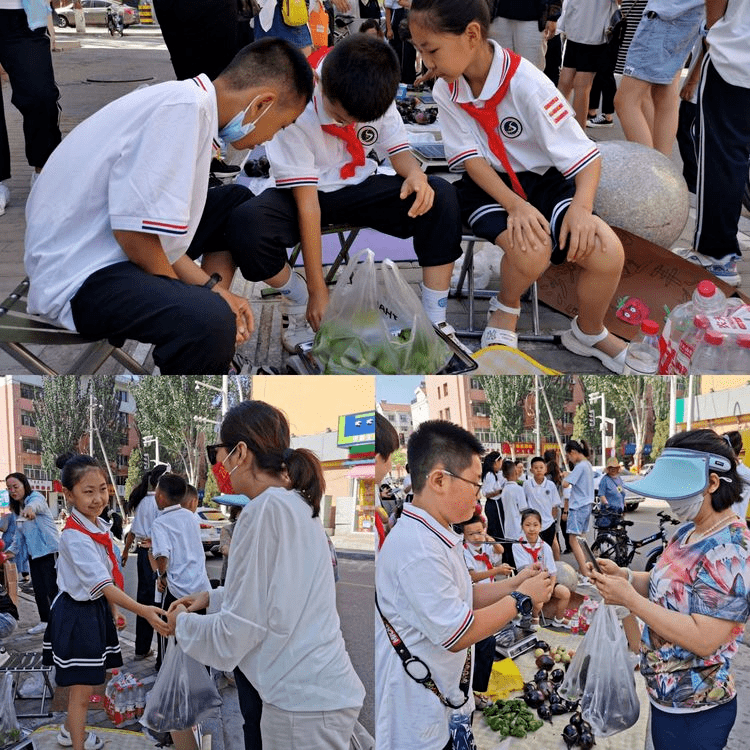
(714, 339)
(700, 321)
(650, 327)
(706, 288)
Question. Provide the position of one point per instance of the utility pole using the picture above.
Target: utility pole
(537, 421)
(596, 397)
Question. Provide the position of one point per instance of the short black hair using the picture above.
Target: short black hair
(173, 486)
(537, 459)
(437, 441)
(370, 23)
(386, 437)
(708, 441)
(361, 74)
(526, 512)
(474, 519)
(271, 61)
(508, 467)
(451, 17)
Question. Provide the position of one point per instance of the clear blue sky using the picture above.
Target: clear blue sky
(396, 389)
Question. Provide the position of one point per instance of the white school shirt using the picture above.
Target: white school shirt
(276, 616)
(83, 566)
(145, 513)
(523, 559)
(537, 125)
(176, 535)
(514, 501)
(542, 497)
(141, 164)
(303, 154)
(490, 483)
(729, 44)
(425, 592)
(472, 563)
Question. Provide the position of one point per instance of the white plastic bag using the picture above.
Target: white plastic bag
(377, 327)
(601, 676)
(10, 729)
(183, 693)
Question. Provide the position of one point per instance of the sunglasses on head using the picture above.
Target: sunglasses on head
(211, 451)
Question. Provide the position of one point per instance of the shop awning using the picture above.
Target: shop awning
(362, 471)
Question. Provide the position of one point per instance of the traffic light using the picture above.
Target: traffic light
(592, 419)
(146, 461)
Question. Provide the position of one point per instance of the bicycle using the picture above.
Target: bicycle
(613, 543)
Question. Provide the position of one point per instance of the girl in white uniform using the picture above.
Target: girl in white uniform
(81, 638)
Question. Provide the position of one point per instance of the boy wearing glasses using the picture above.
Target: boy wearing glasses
(425, 593)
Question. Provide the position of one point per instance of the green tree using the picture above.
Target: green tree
(661, 434)
(398, 458)
(107, 419)
(135, 471)
(211, 490)
(505, 397)
(167, 407)
(557, 389)
(582, 429)
(61, 417)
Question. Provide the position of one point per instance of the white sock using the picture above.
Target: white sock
(435, 303)
(294, 291)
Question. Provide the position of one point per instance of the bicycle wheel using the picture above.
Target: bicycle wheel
(605, 546)
(652, 558)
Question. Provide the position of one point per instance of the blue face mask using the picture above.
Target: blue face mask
(235, 130)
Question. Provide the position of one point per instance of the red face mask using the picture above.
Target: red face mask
(224, 477)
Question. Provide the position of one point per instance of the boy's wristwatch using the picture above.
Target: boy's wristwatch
(213, 280)
(524, 604)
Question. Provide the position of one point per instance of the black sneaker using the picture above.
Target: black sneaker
(220, 168)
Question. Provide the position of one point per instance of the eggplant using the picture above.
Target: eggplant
(529, 686)
(554, 697)
(544, 713)
(540, 676)
(557, 709)
(586, 740)
(534, 698)
(546, 688)
(542, 645)
(585, 727)
(570, 735)
(557, 676)
(571, 705)
(545, 662)
(576, 720)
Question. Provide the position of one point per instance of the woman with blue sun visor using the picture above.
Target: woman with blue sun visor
(695, 602)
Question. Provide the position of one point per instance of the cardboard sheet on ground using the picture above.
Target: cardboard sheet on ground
(653, 281)
(505, 360)
(114, 739)
(549, 736)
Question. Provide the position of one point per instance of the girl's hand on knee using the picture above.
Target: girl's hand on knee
(529, 230)
(579, 232)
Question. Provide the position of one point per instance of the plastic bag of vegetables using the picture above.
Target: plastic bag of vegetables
(602, 677)
(376, 325)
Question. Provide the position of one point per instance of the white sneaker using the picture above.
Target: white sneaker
(723, 268)
(4, 198)
(37, 629)
(448, 330)
(295, 329)
(92, 741)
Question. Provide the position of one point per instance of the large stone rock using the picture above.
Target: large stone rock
(641, 190)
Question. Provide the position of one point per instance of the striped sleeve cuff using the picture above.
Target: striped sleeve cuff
(290, 182)
(455, 161)
(456, 637)
(96, 591)
(149, 225)
(398, 149)
(582, 163)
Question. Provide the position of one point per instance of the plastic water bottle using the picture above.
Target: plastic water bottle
(140, 698)
(686, 349)
(709, 357)
(642, 357)
(739, 360)
(709, 300)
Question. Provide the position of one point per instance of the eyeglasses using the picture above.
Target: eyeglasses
(211, 451)
(455, 476)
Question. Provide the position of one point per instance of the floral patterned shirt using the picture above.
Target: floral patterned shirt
(710, 577)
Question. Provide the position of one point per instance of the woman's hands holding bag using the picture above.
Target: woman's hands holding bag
(186, 604)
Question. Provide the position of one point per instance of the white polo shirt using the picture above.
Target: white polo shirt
(276, 615)
(514, 501)
(304, 154)
(176, 535)
(141, 164)
(523, 558)
(729, 44)
(424, 590)
(145, 513)
(490, 483)
(542, 497)
(472, 558)
(83, 566)
(537, 125)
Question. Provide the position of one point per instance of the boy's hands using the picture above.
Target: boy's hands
(503, 570)
(579, 232)
(241, 309)
(538, 586)
(416, 182)
(316, 306)
(528, 229)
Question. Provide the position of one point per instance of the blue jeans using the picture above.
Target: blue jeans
(702, 730)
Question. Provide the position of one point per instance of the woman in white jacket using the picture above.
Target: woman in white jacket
(275, 618)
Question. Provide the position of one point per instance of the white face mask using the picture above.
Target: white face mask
(687, 509)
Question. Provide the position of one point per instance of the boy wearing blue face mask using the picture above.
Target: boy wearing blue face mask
(119, 262)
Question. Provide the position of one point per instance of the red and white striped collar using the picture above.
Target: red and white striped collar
(461, 91)
(446, 536)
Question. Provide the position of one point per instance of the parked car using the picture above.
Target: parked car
(212, 520)
(95, 13)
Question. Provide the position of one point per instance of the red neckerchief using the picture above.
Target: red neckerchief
(532, 551)
(482, 557)
(356, 150)
(488, 120)
(105, 540)
(314, 58)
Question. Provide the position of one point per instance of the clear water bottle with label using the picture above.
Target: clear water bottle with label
(710, 355)
(739, 360)
(686, 348)
(642, 357)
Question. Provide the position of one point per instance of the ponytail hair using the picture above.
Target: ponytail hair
(578, 445)
(265, 431)
(148, 482)
(73, 466)
(488, 462)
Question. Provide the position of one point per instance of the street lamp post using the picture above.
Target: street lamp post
(593, 397)
(149, 440)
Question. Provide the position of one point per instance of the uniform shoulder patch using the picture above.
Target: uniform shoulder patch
(557, 109)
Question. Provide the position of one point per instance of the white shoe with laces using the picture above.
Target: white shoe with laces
(93, 742)
(37, 629)
(295, 329)
(4, 197)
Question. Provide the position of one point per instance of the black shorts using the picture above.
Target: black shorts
(585, 58)
(548, 534)
(550, 193)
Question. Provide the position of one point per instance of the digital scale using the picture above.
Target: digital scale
(522, 644)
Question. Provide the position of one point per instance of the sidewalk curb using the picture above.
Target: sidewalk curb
(355, 554)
